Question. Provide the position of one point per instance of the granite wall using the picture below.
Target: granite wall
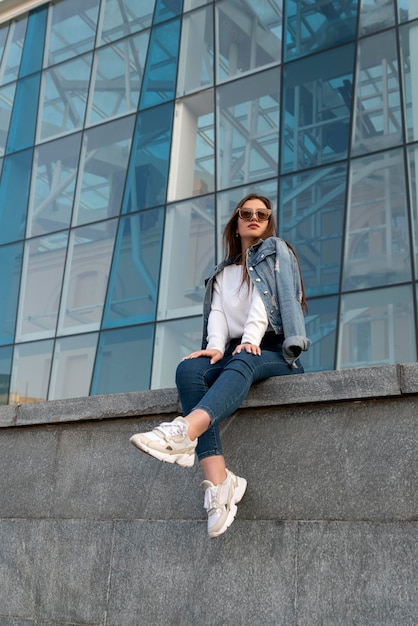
(94, 532)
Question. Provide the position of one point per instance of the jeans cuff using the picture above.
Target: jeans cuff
(207, 453)
(208, 411)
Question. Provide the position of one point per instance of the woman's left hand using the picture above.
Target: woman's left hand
(251, 348)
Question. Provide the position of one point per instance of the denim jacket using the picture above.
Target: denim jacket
(274, 271)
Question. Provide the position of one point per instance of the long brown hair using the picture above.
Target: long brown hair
(232, 244)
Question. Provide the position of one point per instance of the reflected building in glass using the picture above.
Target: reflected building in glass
(130, 129)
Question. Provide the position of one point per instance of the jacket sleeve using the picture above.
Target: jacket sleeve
(289, 292)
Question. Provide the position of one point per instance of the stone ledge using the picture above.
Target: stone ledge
(328, 386)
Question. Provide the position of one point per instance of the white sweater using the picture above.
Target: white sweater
(237, 311)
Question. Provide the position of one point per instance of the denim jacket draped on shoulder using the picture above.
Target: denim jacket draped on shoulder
(274, 271)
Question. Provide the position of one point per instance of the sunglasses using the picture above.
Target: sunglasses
(261, 214)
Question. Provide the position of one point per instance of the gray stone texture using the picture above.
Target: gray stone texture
(94, 532)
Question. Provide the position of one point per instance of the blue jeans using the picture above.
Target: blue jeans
(221, 388)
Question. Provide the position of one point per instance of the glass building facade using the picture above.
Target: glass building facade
(128, 132)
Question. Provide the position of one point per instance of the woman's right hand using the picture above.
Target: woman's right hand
(214, 355)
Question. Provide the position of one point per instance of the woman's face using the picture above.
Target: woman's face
(253, 229)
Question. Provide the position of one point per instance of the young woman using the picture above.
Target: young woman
(253, 329)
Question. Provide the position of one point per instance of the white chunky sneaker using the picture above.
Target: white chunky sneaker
(168, 442)
(221, 502)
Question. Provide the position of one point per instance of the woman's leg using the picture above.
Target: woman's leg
(231, 386)
(224, 386)
(209, 393)
(194, 378)
(214, 468)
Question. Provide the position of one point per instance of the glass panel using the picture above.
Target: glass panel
(53, 182)
(72, 366)
(188, 257)
(71, 29)
(321, 323)
(14, 193)
(317, 93)
(30, 372)
(408, 10)
(23, 120)
(13, 49)
(313, 26)
(173, 340)
(165, 10)
(377, 248)
(376, 15)
(124, 360)
(194, 4)
(64, 89)
(117, 78)
(377, 122)
(124, 17)
(102, 171)
(377, 327)
(43, 268)
(146, 184)
(311, 218)
(408, 36)
(161, 67)
(34, 42)
(413, 192)
(248, 114)
(192, 169)
(4, 31)
(7, 96)
(196, 52)
(227, 201)
(5, 369)
(133, 284)
(10, 268)
(248, 36)
(86, 277)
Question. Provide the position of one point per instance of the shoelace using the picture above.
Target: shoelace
(171, 428)
(210, 499)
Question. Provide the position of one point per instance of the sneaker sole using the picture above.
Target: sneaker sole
(239, 492)
(184, 460)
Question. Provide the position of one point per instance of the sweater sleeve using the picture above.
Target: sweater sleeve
(217, 323)
(257, 320)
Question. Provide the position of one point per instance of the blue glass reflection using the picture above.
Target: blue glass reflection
(122, 18)
(10, 268)
(33, 48)
(13, 49)
(31, 372)
(407, 10)
(161, 67)
(123, 360)
(14, 192)
(71, 29)
(316, 106)
(378, 122)
(321, 325)
(313, 26)
(23, 122)
(53, 185)
(146, 184)
(311, 217)
(7, 96)
(166, 9)
(133, 283)
(376, 15)
(5, 369)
